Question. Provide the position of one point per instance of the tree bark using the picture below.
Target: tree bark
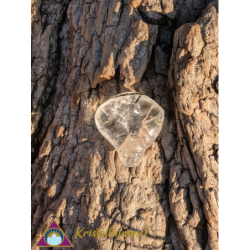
(83, 53)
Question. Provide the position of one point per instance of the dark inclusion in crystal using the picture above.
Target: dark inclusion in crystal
(130, 122)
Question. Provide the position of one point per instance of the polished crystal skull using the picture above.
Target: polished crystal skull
(130, 122)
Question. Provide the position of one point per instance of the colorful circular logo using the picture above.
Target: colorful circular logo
(53, 237)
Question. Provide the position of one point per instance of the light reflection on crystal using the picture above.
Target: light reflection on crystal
(130, 122)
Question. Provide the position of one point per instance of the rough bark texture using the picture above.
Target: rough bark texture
(83, 53)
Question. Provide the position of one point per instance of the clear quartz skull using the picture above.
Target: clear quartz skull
(130, 122)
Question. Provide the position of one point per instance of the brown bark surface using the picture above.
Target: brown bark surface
(83, 53)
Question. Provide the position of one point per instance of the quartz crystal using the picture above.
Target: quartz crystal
(130, 122)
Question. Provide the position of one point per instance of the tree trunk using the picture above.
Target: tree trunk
(83, 53)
